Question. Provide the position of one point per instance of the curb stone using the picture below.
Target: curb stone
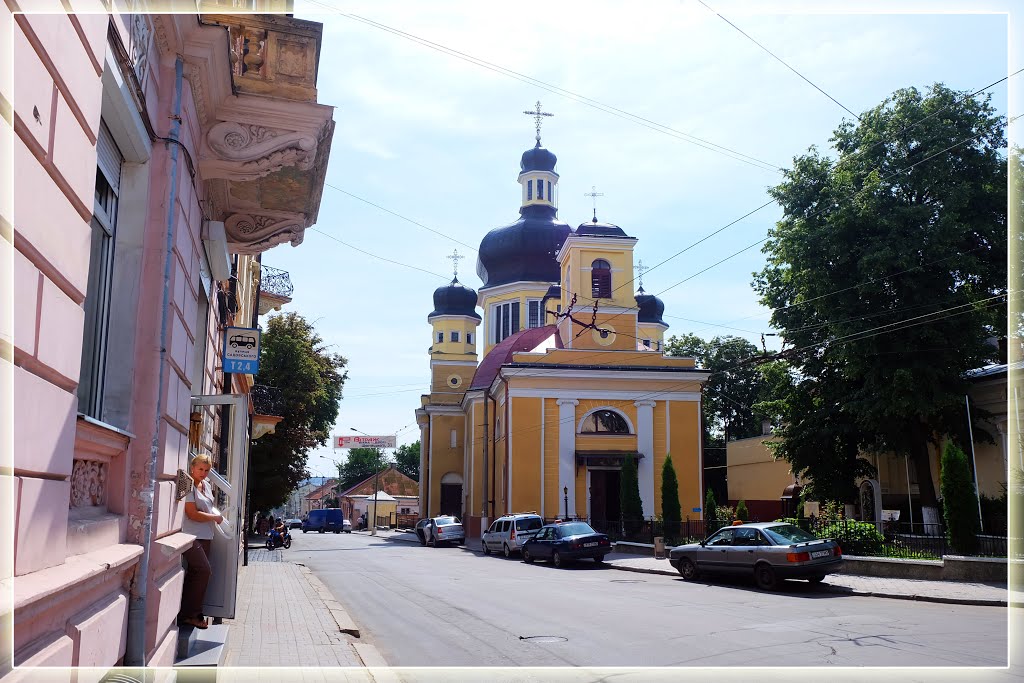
(341, 617)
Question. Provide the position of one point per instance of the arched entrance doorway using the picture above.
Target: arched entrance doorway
(451, 494)
(870, 501)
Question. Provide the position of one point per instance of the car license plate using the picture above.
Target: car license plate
(821, 553)
(590, 545)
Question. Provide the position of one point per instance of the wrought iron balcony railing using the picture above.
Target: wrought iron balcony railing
(275, 281)
(267, 400)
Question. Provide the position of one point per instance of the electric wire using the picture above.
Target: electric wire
(562, 92)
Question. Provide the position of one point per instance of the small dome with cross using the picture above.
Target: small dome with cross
(455, 299)
(538, 159)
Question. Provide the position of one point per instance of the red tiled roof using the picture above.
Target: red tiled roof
(524, 340)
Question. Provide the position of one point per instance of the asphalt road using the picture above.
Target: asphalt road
(423, 606)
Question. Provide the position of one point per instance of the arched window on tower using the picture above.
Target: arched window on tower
(601, 279)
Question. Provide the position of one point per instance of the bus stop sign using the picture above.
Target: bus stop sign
(242, 350)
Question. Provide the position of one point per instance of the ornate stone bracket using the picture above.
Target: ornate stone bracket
(248, 152)
(254, 234)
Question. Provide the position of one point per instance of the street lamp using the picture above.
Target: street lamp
(376, 488)
(565, 491)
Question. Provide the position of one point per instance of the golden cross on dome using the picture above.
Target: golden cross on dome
(455, 257)
(537, 115)
(641, 269)
(594, 194)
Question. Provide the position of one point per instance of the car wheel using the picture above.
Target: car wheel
(764, 575)
(687, 569)
(598, 560)
(816, 579)
(556, 559)
(337, 532)
(270, 544)
(487, 551)
(506, 551)
(305, 531)
(287, 543)
(319, 531)
(527, 557)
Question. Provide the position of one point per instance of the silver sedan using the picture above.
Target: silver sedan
(770, 551)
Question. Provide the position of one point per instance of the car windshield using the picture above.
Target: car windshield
(785, 534)
(528, 524)
(575, 529)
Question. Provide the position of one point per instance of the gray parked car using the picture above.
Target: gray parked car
(437, 530)
(771, 551)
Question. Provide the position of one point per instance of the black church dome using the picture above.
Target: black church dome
(523, 251)
(454, 299)
(651, 308)
(538, 159)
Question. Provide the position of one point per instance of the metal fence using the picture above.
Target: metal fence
(871, 539)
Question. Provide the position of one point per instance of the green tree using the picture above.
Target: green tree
(630, 505)
(407, 460)
(741, 511)
(710, 513)
(886, 275)
(360, 464)
(293, 359)
(959, 501)
(671, 511)
(733, 388)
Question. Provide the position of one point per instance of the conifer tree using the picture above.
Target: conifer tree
(960, 504)
(629, 493)
(670, 508)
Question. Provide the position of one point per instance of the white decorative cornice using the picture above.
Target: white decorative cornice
(567, 401)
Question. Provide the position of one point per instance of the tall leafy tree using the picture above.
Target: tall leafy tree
(732, 388)
(886, 275)
(294, 360)
(407, 460)
(360, 464)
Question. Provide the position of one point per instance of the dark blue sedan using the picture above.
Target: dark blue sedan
(564, 542)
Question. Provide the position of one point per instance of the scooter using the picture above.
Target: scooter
(272, 542)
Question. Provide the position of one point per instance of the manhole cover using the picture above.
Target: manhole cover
(544, 639)
(628, 581)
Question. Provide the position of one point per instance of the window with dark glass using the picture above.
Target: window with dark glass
(529, 190)
(540, 189)
(533, 314)
(601, 279)
(454, 337)
(440, 337)
(469, 337)
(647, 343)
(506, 320)
(551, 197)
(605, 422)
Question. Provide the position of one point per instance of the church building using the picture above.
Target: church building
(572, 381)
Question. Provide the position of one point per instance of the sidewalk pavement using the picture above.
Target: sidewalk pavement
(955, 592)
(286, 617)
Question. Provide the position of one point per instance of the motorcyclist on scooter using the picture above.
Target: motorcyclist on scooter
(278, 534)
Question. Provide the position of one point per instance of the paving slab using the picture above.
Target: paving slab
(286, 617)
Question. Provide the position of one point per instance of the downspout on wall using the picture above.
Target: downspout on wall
(135, 650)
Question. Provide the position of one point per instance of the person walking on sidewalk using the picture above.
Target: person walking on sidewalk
(199, 522)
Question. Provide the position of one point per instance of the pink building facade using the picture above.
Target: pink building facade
(155, 159)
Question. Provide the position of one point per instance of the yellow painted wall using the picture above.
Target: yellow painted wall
(753, 473)
(684, 446)
(447, 325)
(576, 272)
(444, 458)
(526, 445)
(551, 486)
(439, 383)
(621, 357)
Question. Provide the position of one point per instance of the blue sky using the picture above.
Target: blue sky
(437, 140)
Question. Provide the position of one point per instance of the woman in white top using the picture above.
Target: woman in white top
(199, 522)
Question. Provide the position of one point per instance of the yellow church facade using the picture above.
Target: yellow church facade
(572, 380)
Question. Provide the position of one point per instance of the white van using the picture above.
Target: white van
(508, 534)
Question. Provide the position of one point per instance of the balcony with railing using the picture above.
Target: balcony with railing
(267, 407)
(275, 289)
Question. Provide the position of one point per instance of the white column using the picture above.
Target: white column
(424, 464)
(567, 452)
(645, 444)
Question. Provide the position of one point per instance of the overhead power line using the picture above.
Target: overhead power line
(780, 60)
